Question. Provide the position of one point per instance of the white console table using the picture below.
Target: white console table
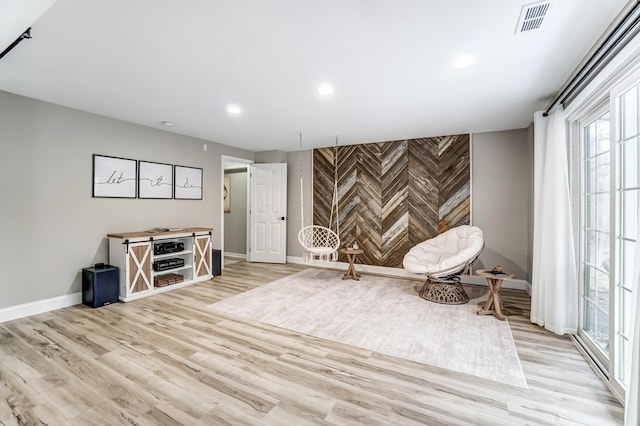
(133, 253)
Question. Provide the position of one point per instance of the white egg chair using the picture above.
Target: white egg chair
(442, 259)
(319, 243)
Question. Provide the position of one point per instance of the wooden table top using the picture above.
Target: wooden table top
(351, 251)
(159, 233)
(488, 274)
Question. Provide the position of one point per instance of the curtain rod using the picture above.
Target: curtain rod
(24, 35)
(619, 37)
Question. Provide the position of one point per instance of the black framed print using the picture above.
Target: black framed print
(187, 183)
(155, 180)
(114, 177)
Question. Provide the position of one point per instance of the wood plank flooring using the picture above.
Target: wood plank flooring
(168, 360)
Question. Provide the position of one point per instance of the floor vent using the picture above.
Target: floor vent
(531, 16)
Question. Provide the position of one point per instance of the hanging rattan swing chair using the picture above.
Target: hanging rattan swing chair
(320, 242)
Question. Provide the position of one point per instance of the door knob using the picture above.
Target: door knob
(282, 218)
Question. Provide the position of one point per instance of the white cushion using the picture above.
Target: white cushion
(321, 250)
(448, 253)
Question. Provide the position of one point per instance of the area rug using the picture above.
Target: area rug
(385, 315)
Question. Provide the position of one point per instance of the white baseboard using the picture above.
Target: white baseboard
(403, 273)
(39, 306)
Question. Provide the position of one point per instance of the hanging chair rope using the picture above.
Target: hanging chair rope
(318, 240)
(301, 187)
(334, 199)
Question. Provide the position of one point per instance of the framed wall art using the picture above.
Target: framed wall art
(114, 177)
(227, 194)
(155, 180)
(187, 183)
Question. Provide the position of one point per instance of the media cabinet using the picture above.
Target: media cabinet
(134, 254)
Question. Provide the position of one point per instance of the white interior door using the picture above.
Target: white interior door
(268, 213)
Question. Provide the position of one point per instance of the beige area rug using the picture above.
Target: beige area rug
(385, 315)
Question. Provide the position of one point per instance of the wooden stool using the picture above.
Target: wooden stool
(352, 254)
(493, 305)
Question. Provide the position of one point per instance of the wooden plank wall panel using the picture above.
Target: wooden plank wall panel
(423, 190)
(395, 206)
(394, 195)
(455, 185)
(322, 185)
(348, 197)
(369, 181)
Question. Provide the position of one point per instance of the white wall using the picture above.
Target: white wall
(235, 221)
(530, 224)
(50, 226)
(299, 165)
(271, 157)
(502, 183)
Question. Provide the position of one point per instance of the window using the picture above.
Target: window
(626, 207)
(608, 221)
(595, 235)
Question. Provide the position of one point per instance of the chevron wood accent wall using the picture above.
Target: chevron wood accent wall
(393, 195)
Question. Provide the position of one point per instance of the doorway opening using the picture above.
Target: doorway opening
(234, 222)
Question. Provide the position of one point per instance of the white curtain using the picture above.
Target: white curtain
(554, 299)
(632, 399)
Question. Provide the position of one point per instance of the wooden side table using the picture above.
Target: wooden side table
(352, 254)
(493, 304)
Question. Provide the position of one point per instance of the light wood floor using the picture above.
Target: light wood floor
(169, 360)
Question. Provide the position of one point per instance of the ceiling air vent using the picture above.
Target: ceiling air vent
(532, 16)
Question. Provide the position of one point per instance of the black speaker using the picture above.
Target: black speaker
(216, 262)
(100, 285)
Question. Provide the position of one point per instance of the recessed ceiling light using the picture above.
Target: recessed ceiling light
(463, 61)
(325, 89)
(234, 109)
(167, 123)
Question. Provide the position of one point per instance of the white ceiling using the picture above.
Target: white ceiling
(18, 15)
(390, 61)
